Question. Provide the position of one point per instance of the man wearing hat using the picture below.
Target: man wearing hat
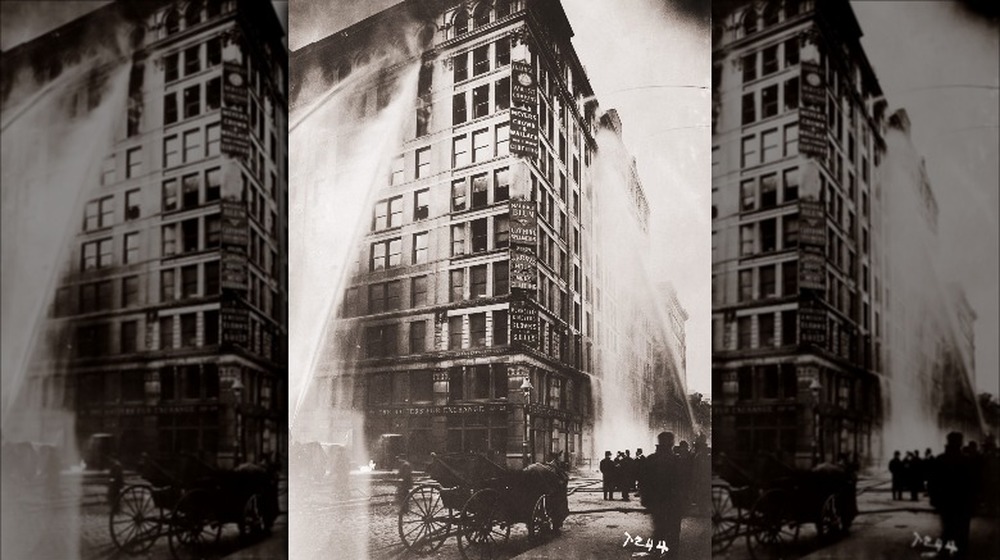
(662, 488)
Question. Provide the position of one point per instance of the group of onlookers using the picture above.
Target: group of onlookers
(909, 473)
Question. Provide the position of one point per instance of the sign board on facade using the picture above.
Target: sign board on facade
(234, 232)
(235, 137)
(812, 225)
(484, 408)
(755, 409)
(235, 321)
(812, 111)
(143, 410)
(523, 323)
(233, 270)
(812, 271)
(234, 85)
(523, 133)
(523, 269)
(523, 223)
(812, 325)
(522, 85)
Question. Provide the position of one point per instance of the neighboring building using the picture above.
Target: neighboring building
(177, 281)
(478, 270)
(797, 317)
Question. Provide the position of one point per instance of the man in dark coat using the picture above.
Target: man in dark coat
(608, 475)
(952, 488)
(405, 484)
(896, 470)
(663, 483)
(626, 475)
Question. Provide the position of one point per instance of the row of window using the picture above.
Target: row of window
(769, 145)
(771, 381)
(762, 236)
(186, 330)
(474, 236)
(189, 330)
(771, 13)
(193, 61)
(483, 146)
(388, 213)
(193, 14)
(473, 282)
(194, 280)
(194, 192)
(191, 235)
(100, 213)
(192, 101)
(480, 101)
(197, 144)
(766, 285)
(473, 191)
(763, 330)
(769, 101)
(769, 60)
(764, 191)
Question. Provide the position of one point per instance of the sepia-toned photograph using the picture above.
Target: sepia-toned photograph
(144, 285)
(854, 280)
(499, 274)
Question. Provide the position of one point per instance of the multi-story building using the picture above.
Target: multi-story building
(170, 324)
(476, 273)
(798, 319)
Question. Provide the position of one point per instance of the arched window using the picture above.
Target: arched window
(481, 16)
(461, 22)
(771, 13)
(502, 8)
(172, 22)
(192, 15)
(749, 21)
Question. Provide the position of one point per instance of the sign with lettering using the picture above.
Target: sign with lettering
(235, 138)
(523, 223)
(755, 408)
(523, 323)
(812, 271)
(233, 270)
(143, 410)
(523, 269)
(812, 225)
(522, 85)
(234, 232)
(235, 321)
(483, 408)
(235, 85)
(812, 325)
(812, 112)
(523, 133)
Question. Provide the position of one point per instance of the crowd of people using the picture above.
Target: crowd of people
(667, 481)
(960, 483)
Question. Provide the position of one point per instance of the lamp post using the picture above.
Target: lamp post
(816, 389)
(526, 391)
(238, 395)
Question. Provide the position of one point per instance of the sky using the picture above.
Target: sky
(659, 82)
(942, 65)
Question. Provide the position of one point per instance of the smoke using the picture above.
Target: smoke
(637, 357)
(55, 135)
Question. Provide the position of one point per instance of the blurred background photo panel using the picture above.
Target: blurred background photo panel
(144, 294)
(854, 279)
(499, 279)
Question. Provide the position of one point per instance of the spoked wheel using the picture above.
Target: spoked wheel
(830, 525)
(485, 526)
(194, 527)
(725, 519)
(771, 527)
(253, 525)
(541, 524)
(424, 521)
(135, 520)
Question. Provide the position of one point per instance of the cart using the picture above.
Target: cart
(479, 501)
(189, 501)
(769, 507)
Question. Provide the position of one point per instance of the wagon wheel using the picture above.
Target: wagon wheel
(485, 524)
(252, 523)
(725, 519)
(134, 521)
(424, 521)
(772, 527)
(541, 523)
(830, 524)
(195, 527)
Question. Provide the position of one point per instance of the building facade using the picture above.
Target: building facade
(168, 329)
(798, 320)
(475, 277)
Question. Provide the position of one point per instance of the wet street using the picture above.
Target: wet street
(367, 526)
(884, 528)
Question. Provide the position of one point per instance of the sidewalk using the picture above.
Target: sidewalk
(274, 547)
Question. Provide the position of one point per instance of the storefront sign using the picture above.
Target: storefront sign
(522, 85)
(812, 112)
(523, 269)
(523, 133)
(755, 409)
(144, 410)
(523, 323)
(812, 225)
(233, 270)
(235, 138)
(812, 271)
(484, 408)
